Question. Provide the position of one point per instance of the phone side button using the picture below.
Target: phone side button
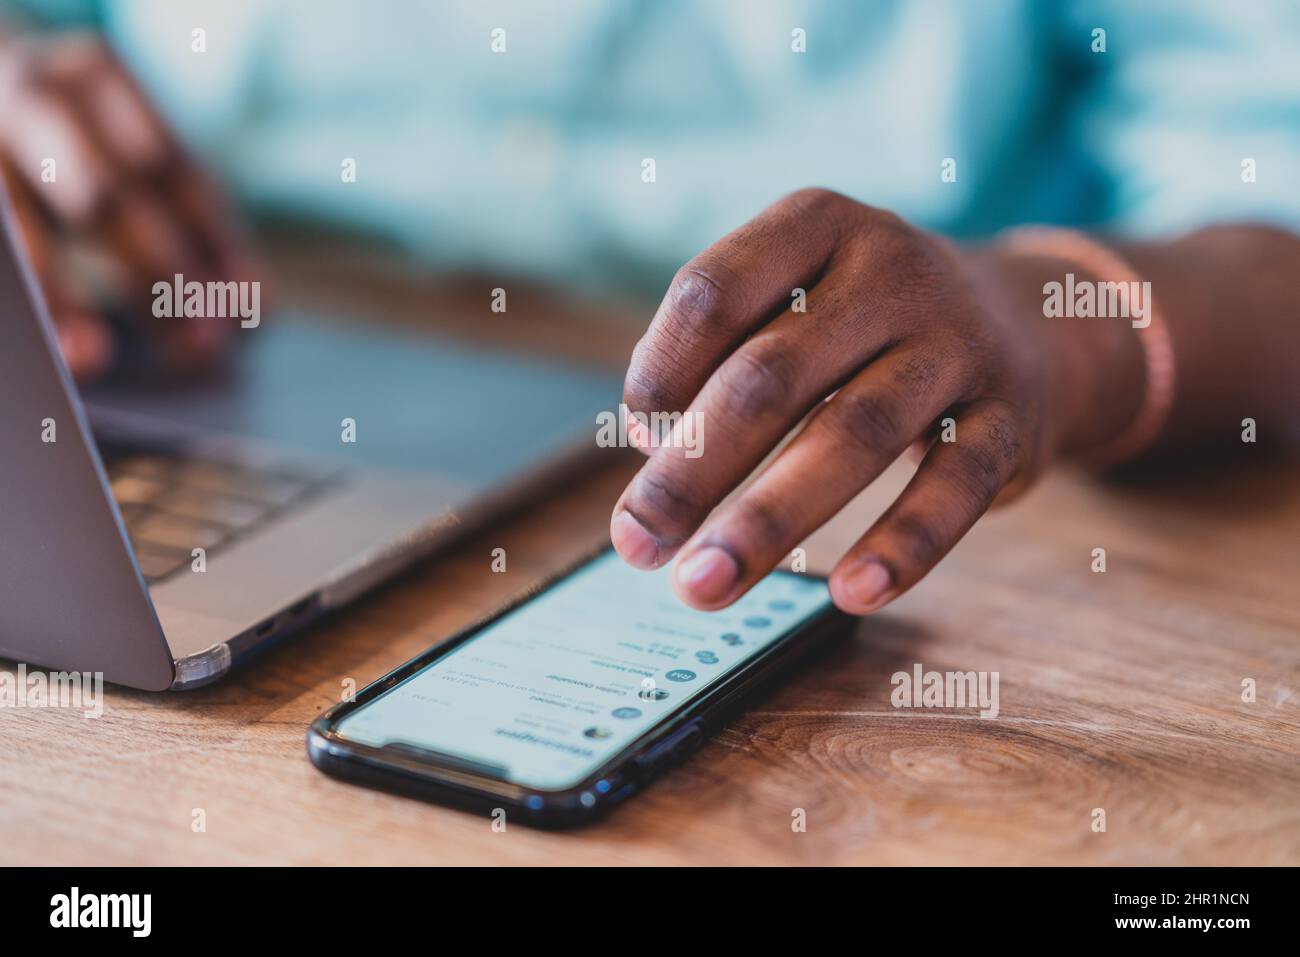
(672, 749)
(688, 743)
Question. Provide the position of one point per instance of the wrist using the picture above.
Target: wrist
(1094, 371)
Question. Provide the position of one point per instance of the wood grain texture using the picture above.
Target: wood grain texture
(1119, 691)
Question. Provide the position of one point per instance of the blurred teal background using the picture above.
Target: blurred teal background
(531, 159)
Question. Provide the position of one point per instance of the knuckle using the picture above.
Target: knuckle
(977, 479)
(647, 388)
(981, 468)
(819, 199)
(905, 267)
(1004, 446)
(890, 226)
(664, 505)
(758, 380)
(972, 364)
(922, 542)
(704, 296)
(871, 420)
(827, 207)
(1004, 434)
(881, 235)
(918, 273)
(766, 522)
(922, 371)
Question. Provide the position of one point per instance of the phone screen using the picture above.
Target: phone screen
(549, 692)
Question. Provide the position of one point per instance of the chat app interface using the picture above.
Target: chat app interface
(549, 692)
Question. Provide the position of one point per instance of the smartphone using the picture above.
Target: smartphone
(567, 701)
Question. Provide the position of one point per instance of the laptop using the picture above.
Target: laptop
(162, 535)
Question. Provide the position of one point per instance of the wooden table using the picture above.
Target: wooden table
(1121, 691)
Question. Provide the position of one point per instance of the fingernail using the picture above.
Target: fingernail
(868, 585)
(709, 575)
(637, 546)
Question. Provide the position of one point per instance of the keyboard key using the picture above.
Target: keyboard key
(143, 466)
(132, 513)
(172, 504)
(264, 488)
(135, 489)
(210, 508)
(157, 563)
(173, 532)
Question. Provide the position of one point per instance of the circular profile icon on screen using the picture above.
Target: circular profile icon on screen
(600, 734)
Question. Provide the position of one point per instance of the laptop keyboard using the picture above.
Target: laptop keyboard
(173, 504)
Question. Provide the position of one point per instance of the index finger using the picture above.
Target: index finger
(726, 293)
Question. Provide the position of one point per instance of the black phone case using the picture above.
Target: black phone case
(624, 774)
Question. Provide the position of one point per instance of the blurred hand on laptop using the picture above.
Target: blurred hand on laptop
(94, 173)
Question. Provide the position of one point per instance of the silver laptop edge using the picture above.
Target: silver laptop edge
(72, 596)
